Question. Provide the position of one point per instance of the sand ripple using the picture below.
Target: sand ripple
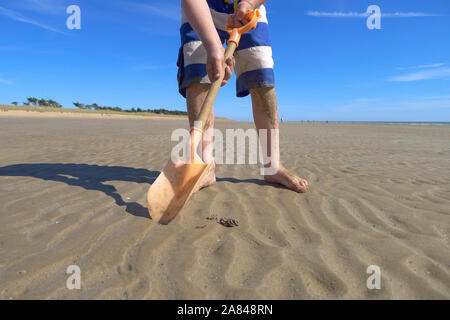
(72, 191)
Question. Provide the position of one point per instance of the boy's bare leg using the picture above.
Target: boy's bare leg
(265, 115)
(195, 95)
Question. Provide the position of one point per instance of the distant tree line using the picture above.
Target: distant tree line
(39, 102)
(31, 101)
(95, 106)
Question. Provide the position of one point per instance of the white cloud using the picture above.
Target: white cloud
(422, 66)
(18, 17)
(41, 6)
(422, 75)
(336, 14)
(408, 15)
(162, 10)
(4, 81)
(351, 14)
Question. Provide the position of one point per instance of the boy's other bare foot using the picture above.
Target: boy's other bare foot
(287, 179)
(209, 178)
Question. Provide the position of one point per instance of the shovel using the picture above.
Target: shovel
(169, 193)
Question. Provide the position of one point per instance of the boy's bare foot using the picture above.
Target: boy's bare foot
(287, 179)
(209, 178)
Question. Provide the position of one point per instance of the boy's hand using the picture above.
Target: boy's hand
(237, 19)
(214, 65)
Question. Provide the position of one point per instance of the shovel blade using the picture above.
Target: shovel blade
(173, 188)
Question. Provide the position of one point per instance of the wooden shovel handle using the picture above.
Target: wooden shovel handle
(233, 42)
(214, 89)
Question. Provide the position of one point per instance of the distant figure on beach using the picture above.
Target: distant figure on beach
(200, 61)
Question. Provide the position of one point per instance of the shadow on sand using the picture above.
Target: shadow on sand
(259, 182)
(89, 177)
(93, 177)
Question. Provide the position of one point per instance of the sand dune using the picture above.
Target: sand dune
(72, 192)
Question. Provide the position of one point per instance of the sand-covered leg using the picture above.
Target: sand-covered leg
(195, 95)
(265, 115)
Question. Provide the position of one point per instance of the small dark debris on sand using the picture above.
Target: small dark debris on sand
(226, 222)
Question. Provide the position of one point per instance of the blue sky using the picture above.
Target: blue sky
(328, 64)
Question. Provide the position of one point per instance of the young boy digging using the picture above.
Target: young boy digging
(200, 61)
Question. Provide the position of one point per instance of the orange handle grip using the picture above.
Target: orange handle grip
(236, 33)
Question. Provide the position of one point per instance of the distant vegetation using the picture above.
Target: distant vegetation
(32, 101)
(95, 106)
(39, 102)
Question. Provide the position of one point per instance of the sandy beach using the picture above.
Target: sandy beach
(72, 192)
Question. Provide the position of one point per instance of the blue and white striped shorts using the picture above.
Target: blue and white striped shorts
(254, 62)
